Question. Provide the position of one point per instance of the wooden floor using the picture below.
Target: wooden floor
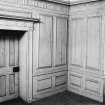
(65, 98)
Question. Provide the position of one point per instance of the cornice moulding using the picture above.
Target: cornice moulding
(72, 2)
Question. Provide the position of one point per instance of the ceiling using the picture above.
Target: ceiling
(72, 1)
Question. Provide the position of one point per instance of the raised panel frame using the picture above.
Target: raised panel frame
(99, 69)
(55, 34)
(82, 60)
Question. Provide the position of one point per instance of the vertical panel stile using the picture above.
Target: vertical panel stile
(16, 75)
(35, 48)
(7, 62)
(70, 42)
(30, 38)
(54, 40)
(84, 46)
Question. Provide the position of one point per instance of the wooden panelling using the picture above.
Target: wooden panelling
(2, 51)
(77, 26)
(61, 41)
(58, 42)
(86, 50)
(49, 48)
(60, 79)
(13, 49)
(41, 83)
(45, 42)
(93, 88)
(93, 43)
(14, 1)
(8, 81)
(44, 84)
(11, 53)
(12, 84)
(64, 40)
(75, 81)
(49, 6)
(2, 86)
(11, 1)
(93, 85)
(16, 42)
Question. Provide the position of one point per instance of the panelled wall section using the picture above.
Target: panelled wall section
(44, 58)
(40, 51)
(86, 51)
(50, 56)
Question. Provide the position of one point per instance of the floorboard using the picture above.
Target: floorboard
(65, 98)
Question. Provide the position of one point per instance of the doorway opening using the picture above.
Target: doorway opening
(10, 55)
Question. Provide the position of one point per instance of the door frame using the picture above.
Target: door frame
(25, 84)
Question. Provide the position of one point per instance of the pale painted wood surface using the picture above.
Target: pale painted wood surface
(35, 50)
(86, 51)
(61, 41)
(49, 55)
(8, 79)
(45, 42)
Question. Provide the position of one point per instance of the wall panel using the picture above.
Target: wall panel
(2, 86)
(58, 42)
(86, 51)
(45, 42)
(93, 88)
(77, 34)
(12, 84)
(64, 40)
(75, 81)
(61, 41)
(2, 51)
(60, 79)
(93, 43)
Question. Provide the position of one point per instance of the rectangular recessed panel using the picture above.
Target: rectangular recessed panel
(2, 51)
(60, 80)
(44, 84)
(92, 85)
(93, 43)
(16, 51)
(75, 80)
(12, 84)
(11, 52)
(64, 41)
(58, 41)
(2, 86)
(45, 42)
(77, 32)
